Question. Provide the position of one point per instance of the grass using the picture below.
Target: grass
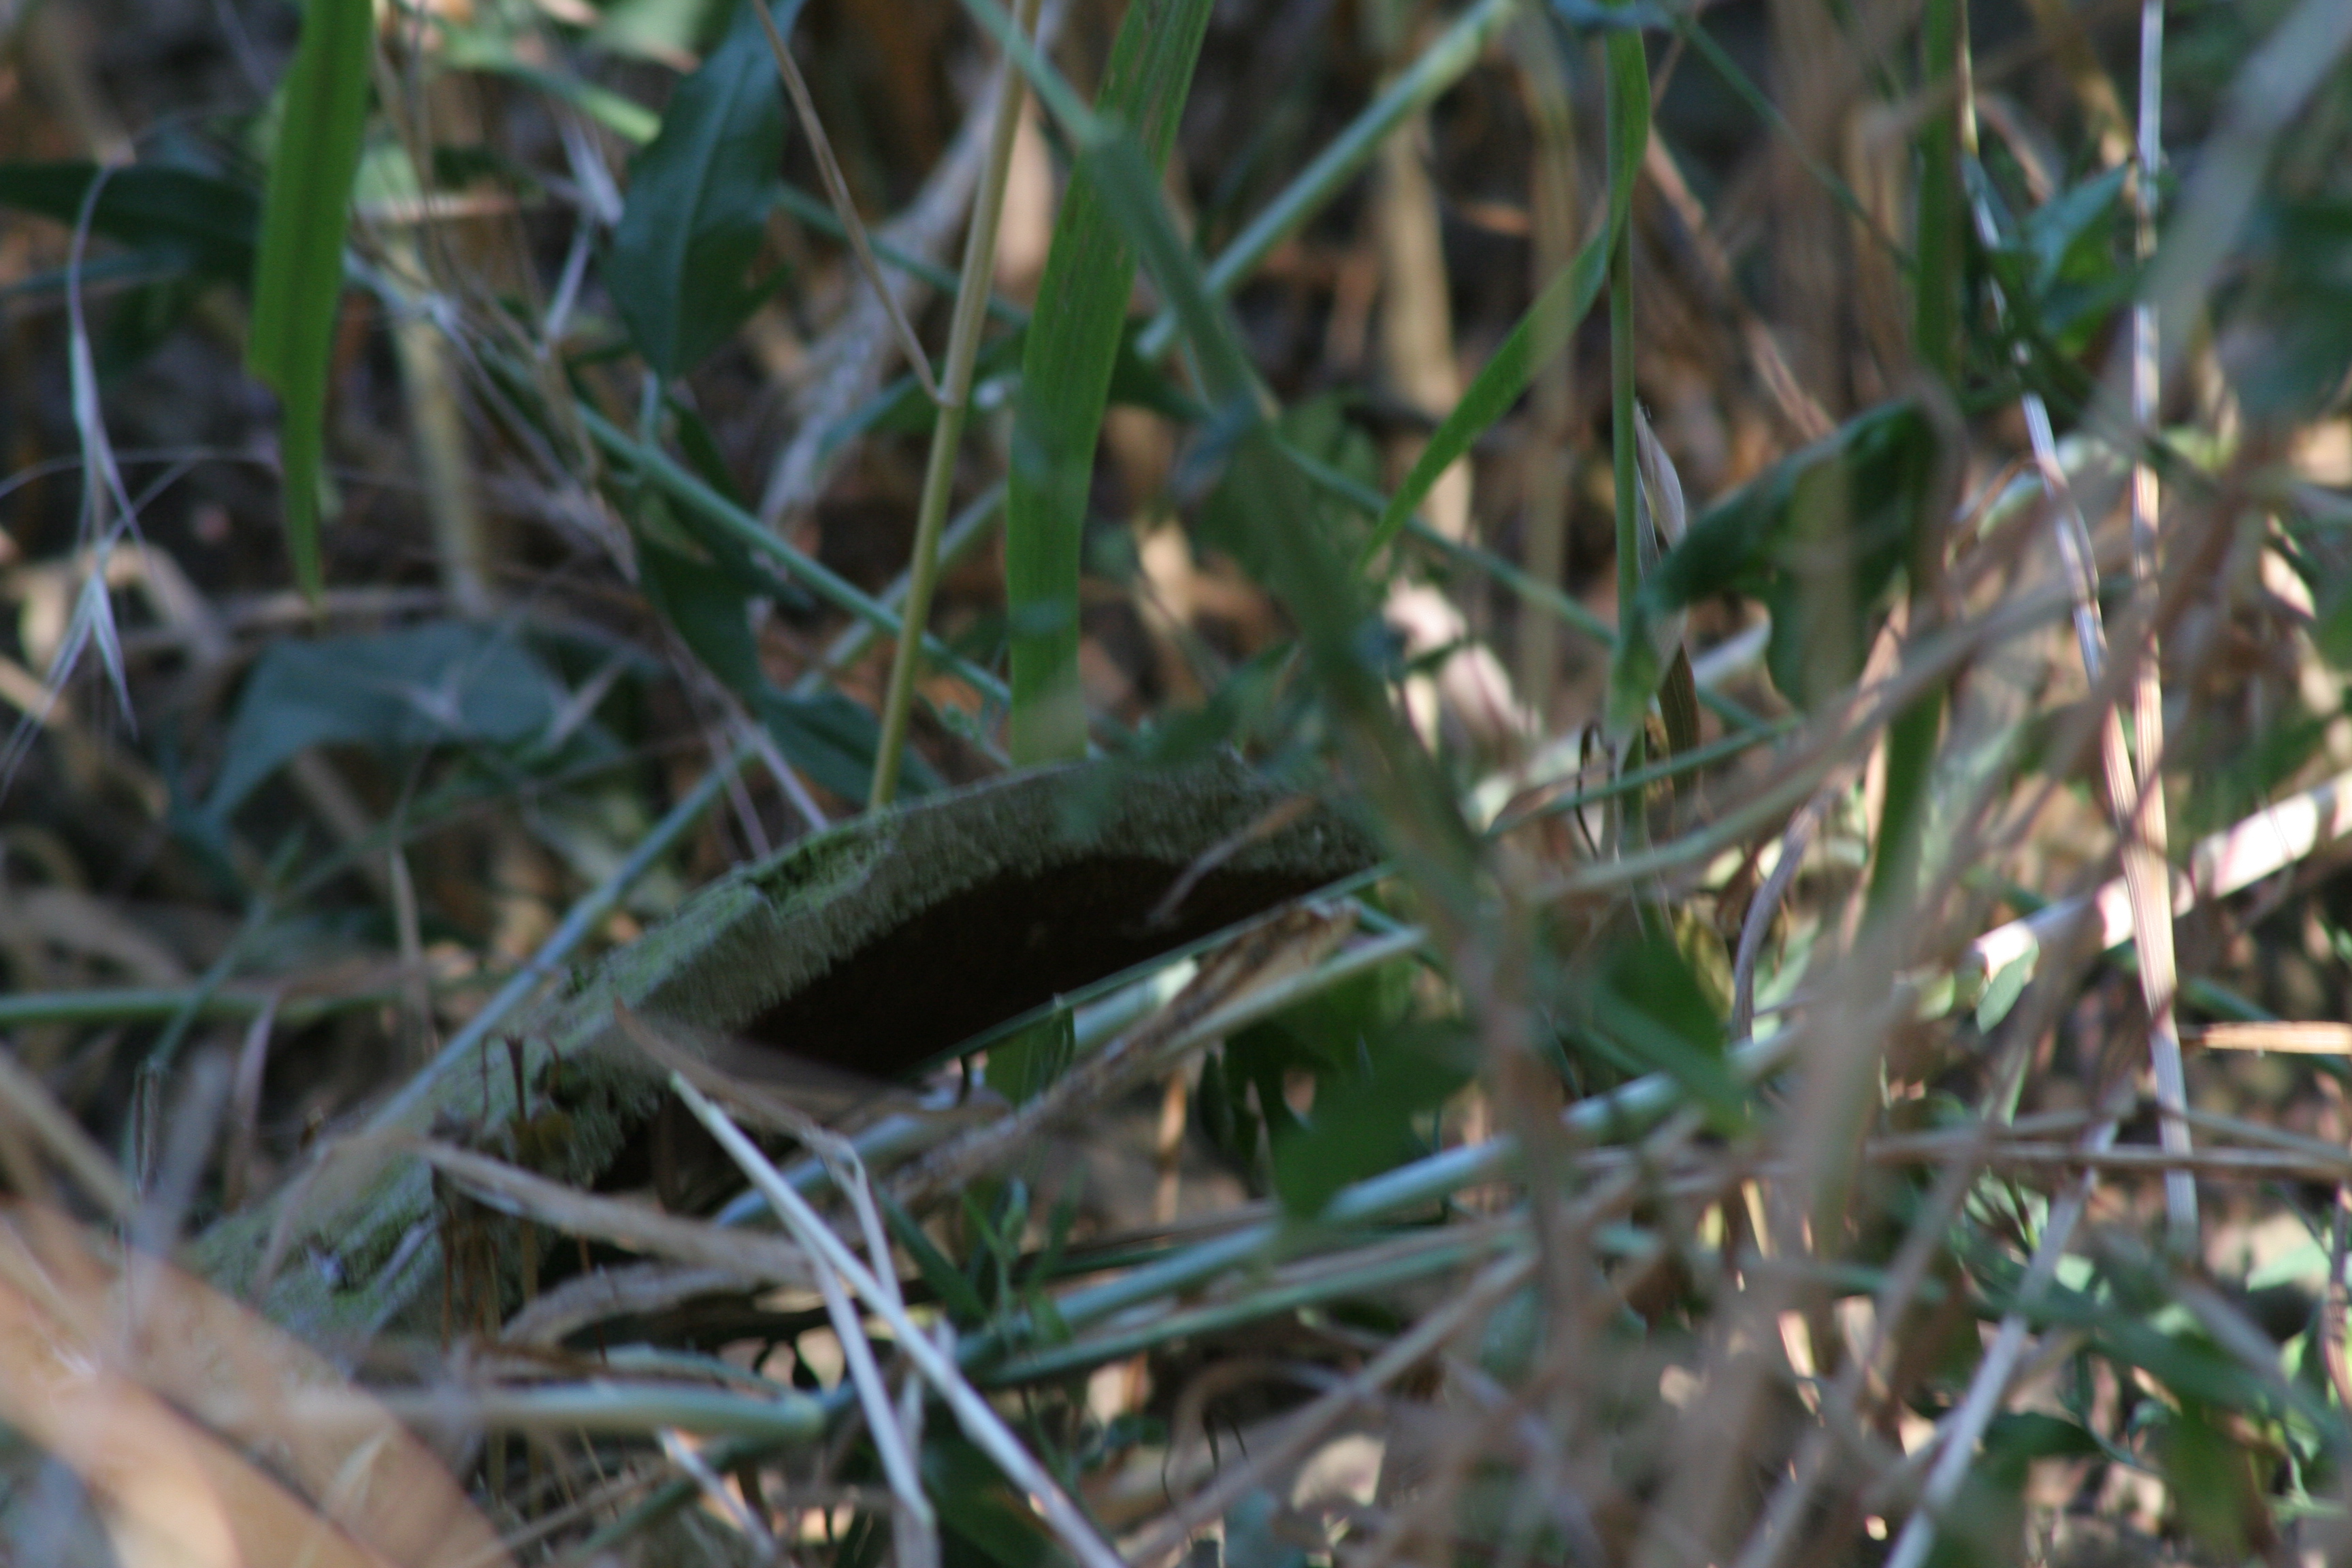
(1752, 1104)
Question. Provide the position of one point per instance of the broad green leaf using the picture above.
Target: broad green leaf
(298, 279)
(833, 738)
(1648, 1000)
(1067, 368)
(708, 603)
(182, 219)
(698, 200)
(981, 1518)
(937, 1272)
(2211, 1474)
(1983, 1524)
(1362, 1121)
(1636, 1003)
(2065, 267)
(1023, 1067)
(1819, 536)
(1320, 431)
(440, 683)
(703, 581)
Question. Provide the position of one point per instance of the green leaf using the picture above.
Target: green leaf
(707, 601)
(298, 279)
(1545, 328)
(832, 739)
(702, 581)
(1024, 1067)
(180, 220)
(982, 1519)
(953, 1289)
(1320, 431)
(2066, 268)
(2003, 989)
(2213, 1477)
(1819, 536)
(2287, 342)
(1647, 1009)
(1983, 1524)
(1066, 369)
(1362, 1122)
(699, 199)
(441, 682)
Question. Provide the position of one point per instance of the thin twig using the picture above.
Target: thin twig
(2159, 979)
(973, 1413)
(836, 190)
(947, 429)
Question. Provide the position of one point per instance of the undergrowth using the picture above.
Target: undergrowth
(1787, 557)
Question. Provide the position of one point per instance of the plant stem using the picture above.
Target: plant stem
(947, 433)
(1438, 68)
(1628, 110)
(1935, 333)
(2159, 982)
(1066, 366)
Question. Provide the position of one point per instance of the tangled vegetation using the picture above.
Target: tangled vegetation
(1553, 782)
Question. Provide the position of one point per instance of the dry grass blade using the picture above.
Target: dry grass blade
(2295, 1038)
(745, 1254)
(147, 1382)
(1343, 1121)
(2231, 861)
(978, 1421)
(29, 1104)
(836, 190)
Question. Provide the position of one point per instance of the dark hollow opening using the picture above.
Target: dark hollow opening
(971, 961)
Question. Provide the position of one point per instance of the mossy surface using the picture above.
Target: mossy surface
(872, 946)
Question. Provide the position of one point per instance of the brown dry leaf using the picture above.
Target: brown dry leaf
(98, 1359)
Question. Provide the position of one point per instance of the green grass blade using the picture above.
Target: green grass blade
(1936, 332)
(688, 491)
(1543, 331)
(1326, 600)
(299, 275)
(1545, 328)
(1437, 68)
(1628, 81)
(1066, 373)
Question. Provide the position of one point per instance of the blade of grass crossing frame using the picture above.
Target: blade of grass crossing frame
(1935, 330)
(1628, 81)
(1066, 373)
(1545, 328)
(1427, 832)
(298, 276)
(1437, 68)
(970, 317)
